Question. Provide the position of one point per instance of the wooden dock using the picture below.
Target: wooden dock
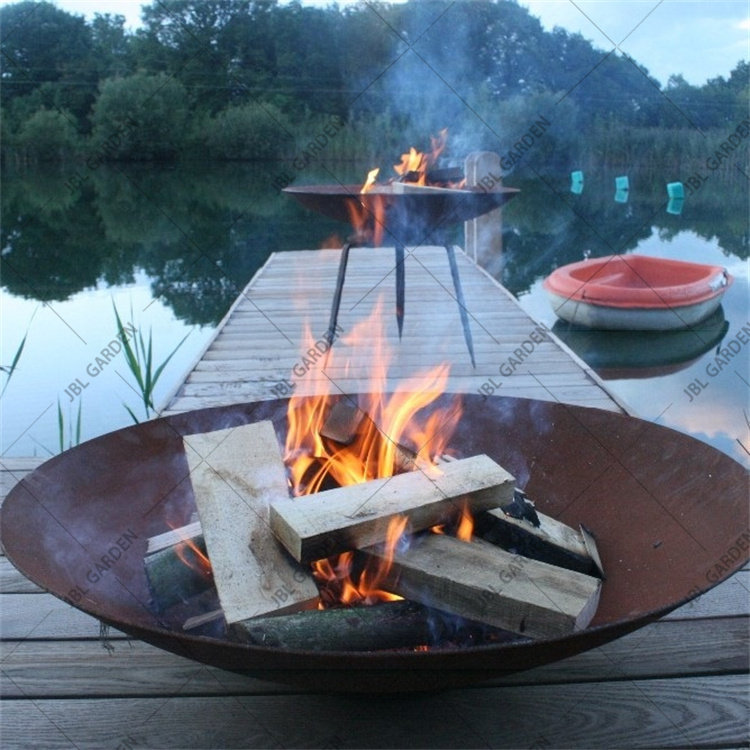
(264, 342)
(681, 682)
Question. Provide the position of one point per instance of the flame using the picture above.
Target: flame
(401, 418)
(332, 242)
(417, 163)
(392, 420)
(372, 175)
(413, 161)
(361, 217)
(191, 555)
(465, 525)
(413, 168)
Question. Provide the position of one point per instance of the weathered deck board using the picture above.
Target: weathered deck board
(696, 712)
(83, 668)
(284, 310)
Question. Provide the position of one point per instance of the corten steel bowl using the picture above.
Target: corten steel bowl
(668, 512)
(406, 216)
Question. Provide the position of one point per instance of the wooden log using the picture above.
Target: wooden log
(412, 187)
(192, 532)
(177, 572)
(551, 542)
(342, 423)
(317, 526)
(235, 474)
(485, 583)
(390, 625)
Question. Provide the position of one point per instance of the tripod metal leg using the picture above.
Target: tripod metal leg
(336, 303)
(461, 302)
(400, 288)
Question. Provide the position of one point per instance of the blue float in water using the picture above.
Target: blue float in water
(675, 190)
(622, 183)
(621, 196)
(675, 206)
(576, 182)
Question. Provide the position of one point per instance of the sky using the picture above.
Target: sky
(700, 39)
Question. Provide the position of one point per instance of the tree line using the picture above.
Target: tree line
(257, 79)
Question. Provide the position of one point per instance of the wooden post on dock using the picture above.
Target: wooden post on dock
(483, 235)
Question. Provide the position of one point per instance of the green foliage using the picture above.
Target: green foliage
(139, 358)
(10, 369)
(48, 135)
(140, 117)
(187, 77)
(42, 43)
(73, 439)
(250, 131)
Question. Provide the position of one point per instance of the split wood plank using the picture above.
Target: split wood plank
(191, 532)
(552, 541)
(236, 473)
(318, 526)
(485, 583)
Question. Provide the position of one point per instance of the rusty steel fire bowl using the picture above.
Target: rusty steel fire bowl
(669, 513)
(410, 214)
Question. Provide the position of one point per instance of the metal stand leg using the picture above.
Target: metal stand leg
(400, 288)
(461, 302)
(336, 303)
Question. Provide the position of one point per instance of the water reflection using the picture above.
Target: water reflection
(621, 355)
(197, 235)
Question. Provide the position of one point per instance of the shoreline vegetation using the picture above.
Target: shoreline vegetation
(205, 80)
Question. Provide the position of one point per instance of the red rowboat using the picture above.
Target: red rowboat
(636, 292)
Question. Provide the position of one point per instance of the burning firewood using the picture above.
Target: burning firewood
(548, 540)
(485, 583)
(358, 515)
(388, 625)
(177, 566)
(342, 423)
(235, 474)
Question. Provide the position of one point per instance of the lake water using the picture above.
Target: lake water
(172, 249)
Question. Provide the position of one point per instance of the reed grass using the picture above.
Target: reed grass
(72, 440)
(9, 370)
(139, 359)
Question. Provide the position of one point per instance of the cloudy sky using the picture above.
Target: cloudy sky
(700, 39)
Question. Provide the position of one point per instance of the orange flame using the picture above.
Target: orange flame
(390, 421)
(361, 216)
(332, 242)
(465, 525)
(418, 163)
(191, 555)
(372, 175)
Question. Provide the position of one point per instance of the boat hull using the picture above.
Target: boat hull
(632, 319)
(636, 293)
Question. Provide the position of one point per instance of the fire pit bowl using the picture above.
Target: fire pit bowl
(417, 212)
(669, 513)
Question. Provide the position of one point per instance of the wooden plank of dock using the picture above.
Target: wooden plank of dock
(267, 339)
